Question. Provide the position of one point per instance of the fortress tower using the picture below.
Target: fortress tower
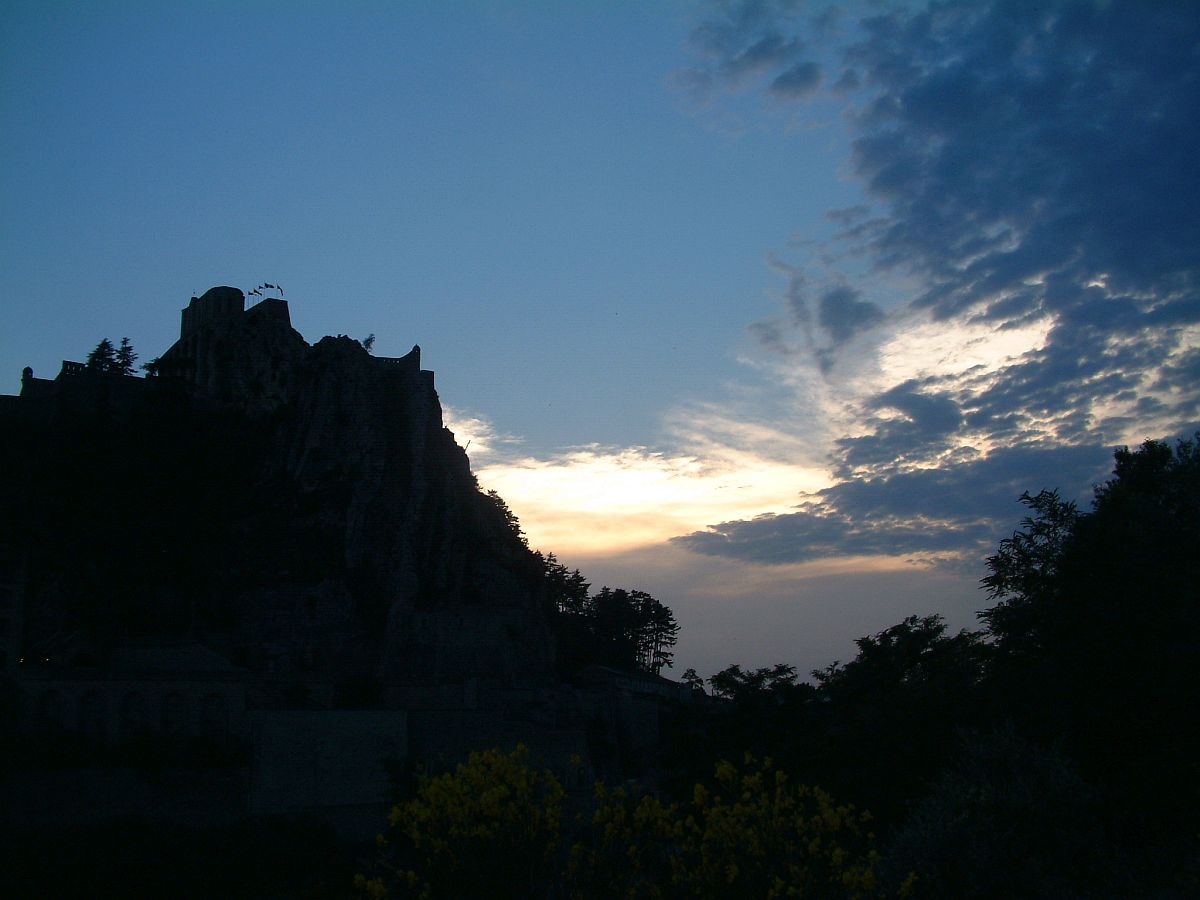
(233, 355)
(219, 305)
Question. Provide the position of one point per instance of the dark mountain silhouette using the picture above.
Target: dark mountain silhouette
(252, 593)
(301, 509)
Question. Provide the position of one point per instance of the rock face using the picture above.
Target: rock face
(302, 509)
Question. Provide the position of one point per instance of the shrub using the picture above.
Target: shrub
(491, 828)
(1009, 819)
(752, 834)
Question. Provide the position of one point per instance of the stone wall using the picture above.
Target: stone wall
(337, 764)
(110, 709)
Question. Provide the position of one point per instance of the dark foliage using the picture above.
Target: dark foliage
(125, 358)
(1054, 752)
(1095, 628)
(510, 518)
(873, 730)
(107, 359)
(135, 858)
(626, 629)
(1010, 819)
(103, 358)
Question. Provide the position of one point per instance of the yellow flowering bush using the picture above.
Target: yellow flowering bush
(753, 834)
(491, 828)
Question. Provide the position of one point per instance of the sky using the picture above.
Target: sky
(772, 309)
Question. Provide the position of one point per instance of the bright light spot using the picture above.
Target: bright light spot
(951, 348)
(600, 499)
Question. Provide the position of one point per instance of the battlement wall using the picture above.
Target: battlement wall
(410, 364)
(410, 361)
(269, 308)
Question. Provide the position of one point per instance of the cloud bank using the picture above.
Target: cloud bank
(1019, 294)
(592, 499)
(1033, 186)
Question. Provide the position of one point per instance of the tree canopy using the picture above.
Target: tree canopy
(113, 360)
(1094, 628)
(617, 627)
(103, 357)
(1079, 692)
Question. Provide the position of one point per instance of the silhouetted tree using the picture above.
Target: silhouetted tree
(633, 629)
(1077, 705)
(566, 590)
(368, 343)
(103, 358)
(1096, 624)
(657, 635)
(1024, 570)
(624, 628)
(912, 658)
(879, 726)
(125, 358)
(732, 683)
(510, 518)
(613, 623)
(1008, 818)
(887, 720)
(692, 680)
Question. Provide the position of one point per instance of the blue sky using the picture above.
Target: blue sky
(769, 308)
(516, 188)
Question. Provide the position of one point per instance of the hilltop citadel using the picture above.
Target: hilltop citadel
(314, 584)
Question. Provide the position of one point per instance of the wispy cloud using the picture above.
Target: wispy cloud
(478, 435)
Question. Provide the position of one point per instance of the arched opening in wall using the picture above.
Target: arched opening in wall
(50, 710)
(135, 715)
(214, 715)
(93, 716)
(175, 714)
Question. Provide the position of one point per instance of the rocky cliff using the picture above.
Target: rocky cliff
(301, 509)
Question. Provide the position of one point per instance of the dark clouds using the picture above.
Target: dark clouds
(959, 508)
(745, 40)
(1029, 165)
(843, 314)
(925, 423)
(1020, 147)
(798, 81)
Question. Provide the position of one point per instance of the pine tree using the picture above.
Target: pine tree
(125, 358)
(103, 358)
(567, 590)
(664, 631)
(510, 517)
